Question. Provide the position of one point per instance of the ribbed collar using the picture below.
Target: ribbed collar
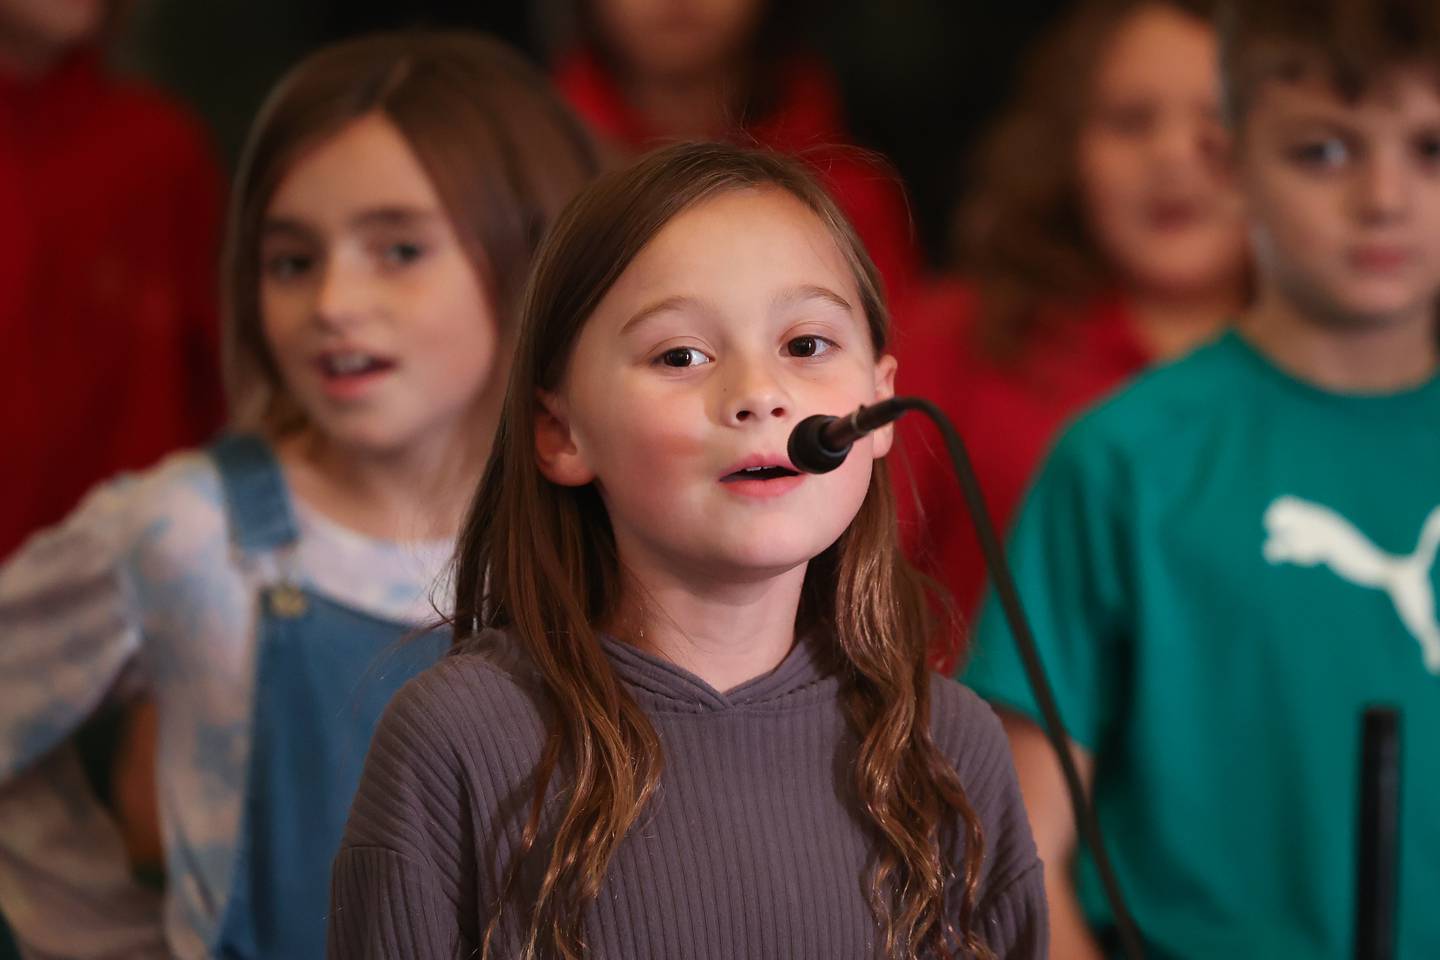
(806, 675)
(809, 674)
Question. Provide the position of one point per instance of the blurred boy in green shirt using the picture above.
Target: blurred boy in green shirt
(1226, 562)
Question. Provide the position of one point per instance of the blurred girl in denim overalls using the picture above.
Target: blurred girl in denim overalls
(262, 595)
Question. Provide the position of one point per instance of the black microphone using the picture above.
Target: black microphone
(821, 443)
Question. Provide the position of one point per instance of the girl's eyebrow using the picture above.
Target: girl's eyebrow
(666, 305)
(782, 300)
(394, 216)
(389, 216)
(285, 227)
(810, 291)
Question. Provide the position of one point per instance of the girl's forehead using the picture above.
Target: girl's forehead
(740, 243)
(753, 261)
(365, 164)
(1157, 48)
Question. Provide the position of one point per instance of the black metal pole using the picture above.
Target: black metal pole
(1378, 854)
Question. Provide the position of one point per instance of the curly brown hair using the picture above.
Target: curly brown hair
(540, 560)
(1023, 233)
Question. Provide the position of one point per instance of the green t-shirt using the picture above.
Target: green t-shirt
(1223, 566)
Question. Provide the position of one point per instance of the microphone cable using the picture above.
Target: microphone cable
(819, 444)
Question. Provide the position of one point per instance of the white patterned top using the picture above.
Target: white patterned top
(140, 590)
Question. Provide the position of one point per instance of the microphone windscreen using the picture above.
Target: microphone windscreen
(807, 447)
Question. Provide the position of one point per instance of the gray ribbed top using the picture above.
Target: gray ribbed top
(754, 845)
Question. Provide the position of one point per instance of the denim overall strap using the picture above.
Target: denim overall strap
(324, 673)
(256, 500)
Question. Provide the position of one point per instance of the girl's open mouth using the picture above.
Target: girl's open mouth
(352, 363)
(759, 473)
(762, 481)
(350, 374)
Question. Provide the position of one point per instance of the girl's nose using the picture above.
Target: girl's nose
(1184, 144)
(755, 396)
(338, 296)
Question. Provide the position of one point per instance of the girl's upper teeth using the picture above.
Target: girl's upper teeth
(349, 362)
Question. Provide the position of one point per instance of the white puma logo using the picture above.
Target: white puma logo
(1307, 534)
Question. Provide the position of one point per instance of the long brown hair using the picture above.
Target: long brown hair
(504, 155)
(1023, 233)
(539, 560)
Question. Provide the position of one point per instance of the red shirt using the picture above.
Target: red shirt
(111, 202)
(806, 121)
(1008, 414)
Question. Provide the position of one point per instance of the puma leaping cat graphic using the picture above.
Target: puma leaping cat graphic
(1307, 534)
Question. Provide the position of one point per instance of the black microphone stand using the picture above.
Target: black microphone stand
(1004, 581)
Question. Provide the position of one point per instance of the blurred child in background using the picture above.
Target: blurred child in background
(111, 205)
(1103, 234)
(650, 71)
(387, 206)
(1228, 561)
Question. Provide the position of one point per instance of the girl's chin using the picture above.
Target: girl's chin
(1187, 279)
(371, 440)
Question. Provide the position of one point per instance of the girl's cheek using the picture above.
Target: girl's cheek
(672, 438)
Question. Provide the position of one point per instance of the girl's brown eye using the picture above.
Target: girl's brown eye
(1129, 119)
(401, 254)
(809, 346)
(286, 266)
(683, 357)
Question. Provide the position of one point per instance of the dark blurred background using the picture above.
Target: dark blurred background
(920, 78)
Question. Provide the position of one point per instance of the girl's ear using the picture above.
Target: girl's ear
(882, 439)
(556, 452)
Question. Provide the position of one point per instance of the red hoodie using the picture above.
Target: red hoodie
(111, 205)
(1008, 414)
(806, 121)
